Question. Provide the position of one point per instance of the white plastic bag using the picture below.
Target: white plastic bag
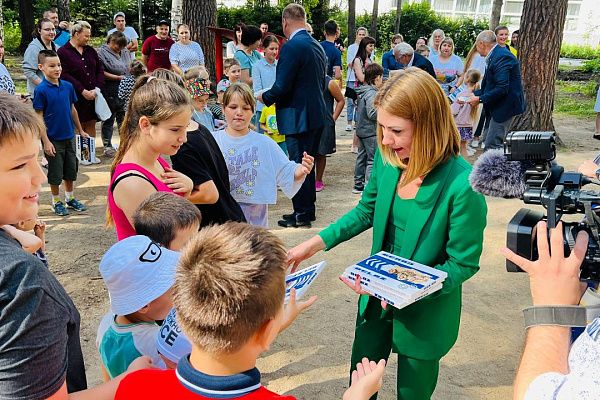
(102, 110)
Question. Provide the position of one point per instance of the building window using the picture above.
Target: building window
(513, 7)
(573, 9)
(442, 5)
(466, 5)
(485, 7)
(571, 24)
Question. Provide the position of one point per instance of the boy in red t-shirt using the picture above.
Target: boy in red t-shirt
(229, 293)
(155, 50)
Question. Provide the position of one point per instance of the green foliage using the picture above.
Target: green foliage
(577, 51)
(12, 37)
(229, 17)
(591, 65)
(575, 98)
(420, 20)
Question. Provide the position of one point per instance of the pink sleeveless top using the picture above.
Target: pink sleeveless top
(122, 225)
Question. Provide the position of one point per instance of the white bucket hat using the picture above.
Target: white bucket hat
(137, 271)
(171, 342)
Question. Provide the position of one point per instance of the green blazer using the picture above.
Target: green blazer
(444, 231)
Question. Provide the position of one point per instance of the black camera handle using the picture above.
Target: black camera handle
(592, 219)
(553, 215)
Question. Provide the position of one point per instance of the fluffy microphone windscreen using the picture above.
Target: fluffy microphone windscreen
(493, 175)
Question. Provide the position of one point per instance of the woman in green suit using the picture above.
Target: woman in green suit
(421, 207)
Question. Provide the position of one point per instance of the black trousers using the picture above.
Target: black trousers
(297, 144)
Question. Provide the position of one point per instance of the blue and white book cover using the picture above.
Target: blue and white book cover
(400, 273)
(301, 280)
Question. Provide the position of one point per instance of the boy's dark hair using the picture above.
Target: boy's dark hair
(330, 27)
(44, 54)
(372, 71)
(162, 214)
(501, 28)
(422, 49)
(250, 34)
(266, 42)
(230, 281)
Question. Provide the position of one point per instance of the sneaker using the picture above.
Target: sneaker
(44, 162)
(96, 160)
(483, 145)
(319, 186)
(109, 151)
(83, 162)
(60, 209)
(76, 205)
(474, 143)
(348, 128)
(354, 149)
(357, 190)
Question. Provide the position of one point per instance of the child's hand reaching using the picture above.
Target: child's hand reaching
(304, 169)
(40, 231)
(293, 309)
(366, 380)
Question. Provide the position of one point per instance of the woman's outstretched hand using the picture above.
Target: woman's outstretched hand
(304, 250)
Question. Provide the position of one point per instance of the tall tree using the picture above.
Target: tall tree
(1, 26)
(539, 60)
(27, 23)
(374, 16)
(199, 15)
(351, 21)
(398, 15)
(495, 16)
(64, 13)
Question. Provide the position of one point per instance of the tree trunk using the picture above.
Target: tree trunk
(176, 15)
(351, 21)
(1, 27)
(539, 60)
(27, 23)
(495, 16)
(64, 14)
(398, 15)
(199, 15)
(373, 31)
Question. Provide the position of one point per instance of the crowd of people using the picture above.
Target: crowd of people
(192, 251)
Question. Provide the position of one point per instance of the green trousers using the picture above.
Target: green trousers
(416, 379)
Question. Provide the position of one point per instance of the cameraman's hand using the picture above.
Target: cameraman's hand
(588, 168)
(554, 279)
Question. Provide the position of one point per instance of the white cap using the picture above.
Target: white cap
(137, 271)
(171, 342)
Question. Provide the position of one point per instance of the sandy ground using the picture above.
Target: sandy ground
(310, 360)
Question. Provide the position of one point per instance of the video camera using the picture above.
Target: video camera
(559, 192)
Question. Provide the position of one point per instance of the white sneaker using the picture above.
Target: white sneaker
(109, 151)
(348, 128)
(96, 160)
(474, 143)
(483, 145)
(85, 162)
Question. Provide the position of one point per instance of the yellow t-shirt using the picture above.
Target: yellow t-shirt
(267, 117)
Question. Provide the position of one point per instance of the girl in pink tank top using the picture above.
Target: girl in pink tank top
(156, 121)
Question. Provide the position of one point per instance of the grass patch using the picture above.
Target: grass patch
(21, 86)
(575, 98)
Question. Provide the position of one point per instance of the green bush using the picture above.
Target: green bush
(577, 51)
(420, 20)
(591, 65)
(12, 37)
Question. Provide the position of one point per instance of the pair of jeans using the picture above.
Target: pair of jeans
(305, 198)
(350, 105)
(364, 161)
(496, 132)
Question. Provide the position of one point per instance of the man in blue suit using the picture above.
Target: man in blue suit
(298, 97)
(501, 90)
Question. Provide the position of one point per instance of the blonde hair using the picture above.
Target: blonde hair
(416, 96)
(198, 71)
(230, 281)
(239, 89)
(228, 62)
(473, 77)
(17, 120)
(80, 26)
(158, 100)
(449, 41)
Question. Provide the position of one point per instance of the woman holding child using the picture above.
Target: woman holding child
(421, 207)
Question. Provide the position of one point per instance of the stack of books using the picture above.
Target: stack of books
(396, 280)
(301, 280)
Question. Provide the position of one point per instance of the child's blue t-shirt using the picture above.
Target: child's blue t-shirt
(55, 102)
(120, 344)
